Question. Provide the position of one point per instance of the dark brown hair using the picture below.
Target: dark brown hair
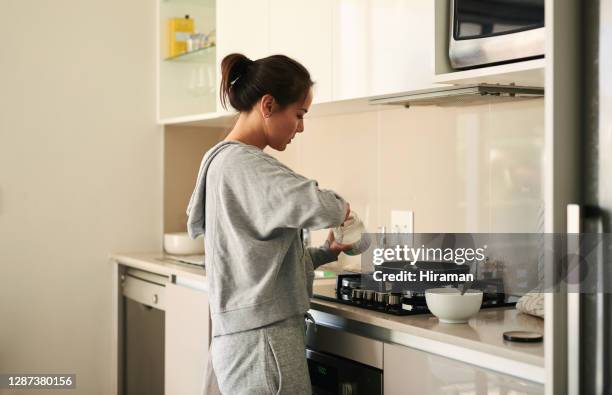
(244, 81)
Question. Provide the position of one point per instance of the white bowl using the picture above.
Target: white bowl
(450, 306)
(181, 244)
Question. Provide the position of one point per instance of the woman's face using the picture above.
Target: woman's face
(281, 125)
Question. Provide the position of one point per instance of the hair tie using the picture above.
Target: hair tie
(245, 68)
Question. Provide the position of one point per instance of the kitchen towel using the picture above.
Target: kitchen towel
(531, 303)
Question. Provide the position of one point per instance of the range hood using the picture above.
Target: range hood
(457, 95)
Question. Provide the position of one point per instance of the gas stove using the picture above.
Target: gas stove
(354, 289)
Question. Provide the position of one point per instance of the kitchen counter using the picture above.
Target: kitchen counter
(159, 263)
(483, 332)
(479, 342)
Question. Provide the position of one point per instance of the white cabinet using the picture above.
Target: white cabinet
(243, 26)
(187, 337)
(352, 48)
(381, 47)
(402, 44)
(411, 371)
(302, 30)
(289, 27)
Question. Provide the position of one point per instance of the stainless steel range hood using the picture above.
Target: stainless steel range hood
(457, 95)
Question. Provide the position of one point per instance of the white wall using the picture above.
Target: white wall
(475, 168)
(80, 176)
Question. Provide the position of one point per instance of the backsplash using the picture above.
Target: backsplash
(459, 169)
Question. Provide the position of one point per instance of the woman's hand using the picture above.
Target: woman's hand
(334, 246)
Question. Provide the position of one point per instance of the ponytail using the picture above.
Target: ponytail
(244, 81)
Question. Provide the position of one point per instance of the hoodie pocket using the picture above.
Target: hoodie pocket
(272, 368)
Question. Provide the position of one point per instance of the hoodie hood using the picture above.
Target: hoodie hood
(197, 203)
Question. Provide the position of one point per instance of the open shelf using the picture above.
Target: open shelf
(200, 55)
(187, 81)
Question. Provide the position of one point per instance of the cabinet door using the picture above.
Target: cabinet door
(381, 47)
(187, 339)
(351, 59)
(243, 26)
(401, 45)
(410, 371)
(302, 30)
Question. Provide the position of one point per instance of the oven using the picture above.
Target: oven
(343, 363)
(485, 32)
(333, 375)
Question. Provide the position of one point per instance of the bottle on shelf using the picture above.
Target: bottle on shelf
(179, 31)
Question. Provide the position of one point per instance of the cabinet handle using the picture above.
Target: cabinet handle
(155, 299)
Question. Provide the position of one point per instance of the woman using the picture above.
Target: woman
(251, 209)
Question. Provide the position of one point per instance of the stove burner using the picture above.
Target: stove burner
(350, 291)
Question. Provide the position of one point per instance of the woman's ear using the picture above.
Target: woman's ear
(267, 105)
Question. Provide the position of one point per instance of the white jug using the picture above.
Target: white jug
(352, 231)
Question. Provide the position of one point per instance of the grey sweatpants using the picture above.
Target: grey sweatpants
(262, 361)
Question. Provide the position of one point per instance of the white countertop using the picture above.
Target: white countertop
(483, 332)
(482, 335)
(158, 262)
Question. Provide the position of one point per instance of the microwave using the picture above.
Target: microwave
(486, 32)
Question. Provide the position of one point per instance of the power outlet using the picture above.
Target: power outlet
(402, 221)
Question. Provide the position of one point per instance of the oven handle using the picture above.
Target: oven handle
(338, 361)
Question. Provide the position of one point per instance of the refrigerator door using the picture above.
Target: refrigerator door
(605, 172)
(588, 329)
(595, 347)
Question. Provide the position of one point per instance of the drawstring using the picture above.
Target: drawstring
(310, 321)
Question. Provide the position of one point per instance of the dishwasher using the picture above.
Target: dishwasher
(143, 332)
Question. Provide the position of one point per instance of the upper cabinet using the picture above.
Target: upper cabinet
(381, 47)
(352, 48)
(303, 31)
(267, 27)
(243, 27)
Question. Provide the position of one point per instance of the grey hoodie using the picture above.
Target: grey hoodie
(251, 209)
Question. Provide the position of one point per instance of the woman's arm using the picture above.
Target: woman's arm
(272, 196)
(328, 252)
(321, 255)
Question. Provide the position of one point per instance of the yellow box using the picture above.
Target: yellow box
(179, 30)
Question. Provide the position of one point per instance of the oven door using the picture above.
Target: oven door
(484, 32)
(332, 375)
